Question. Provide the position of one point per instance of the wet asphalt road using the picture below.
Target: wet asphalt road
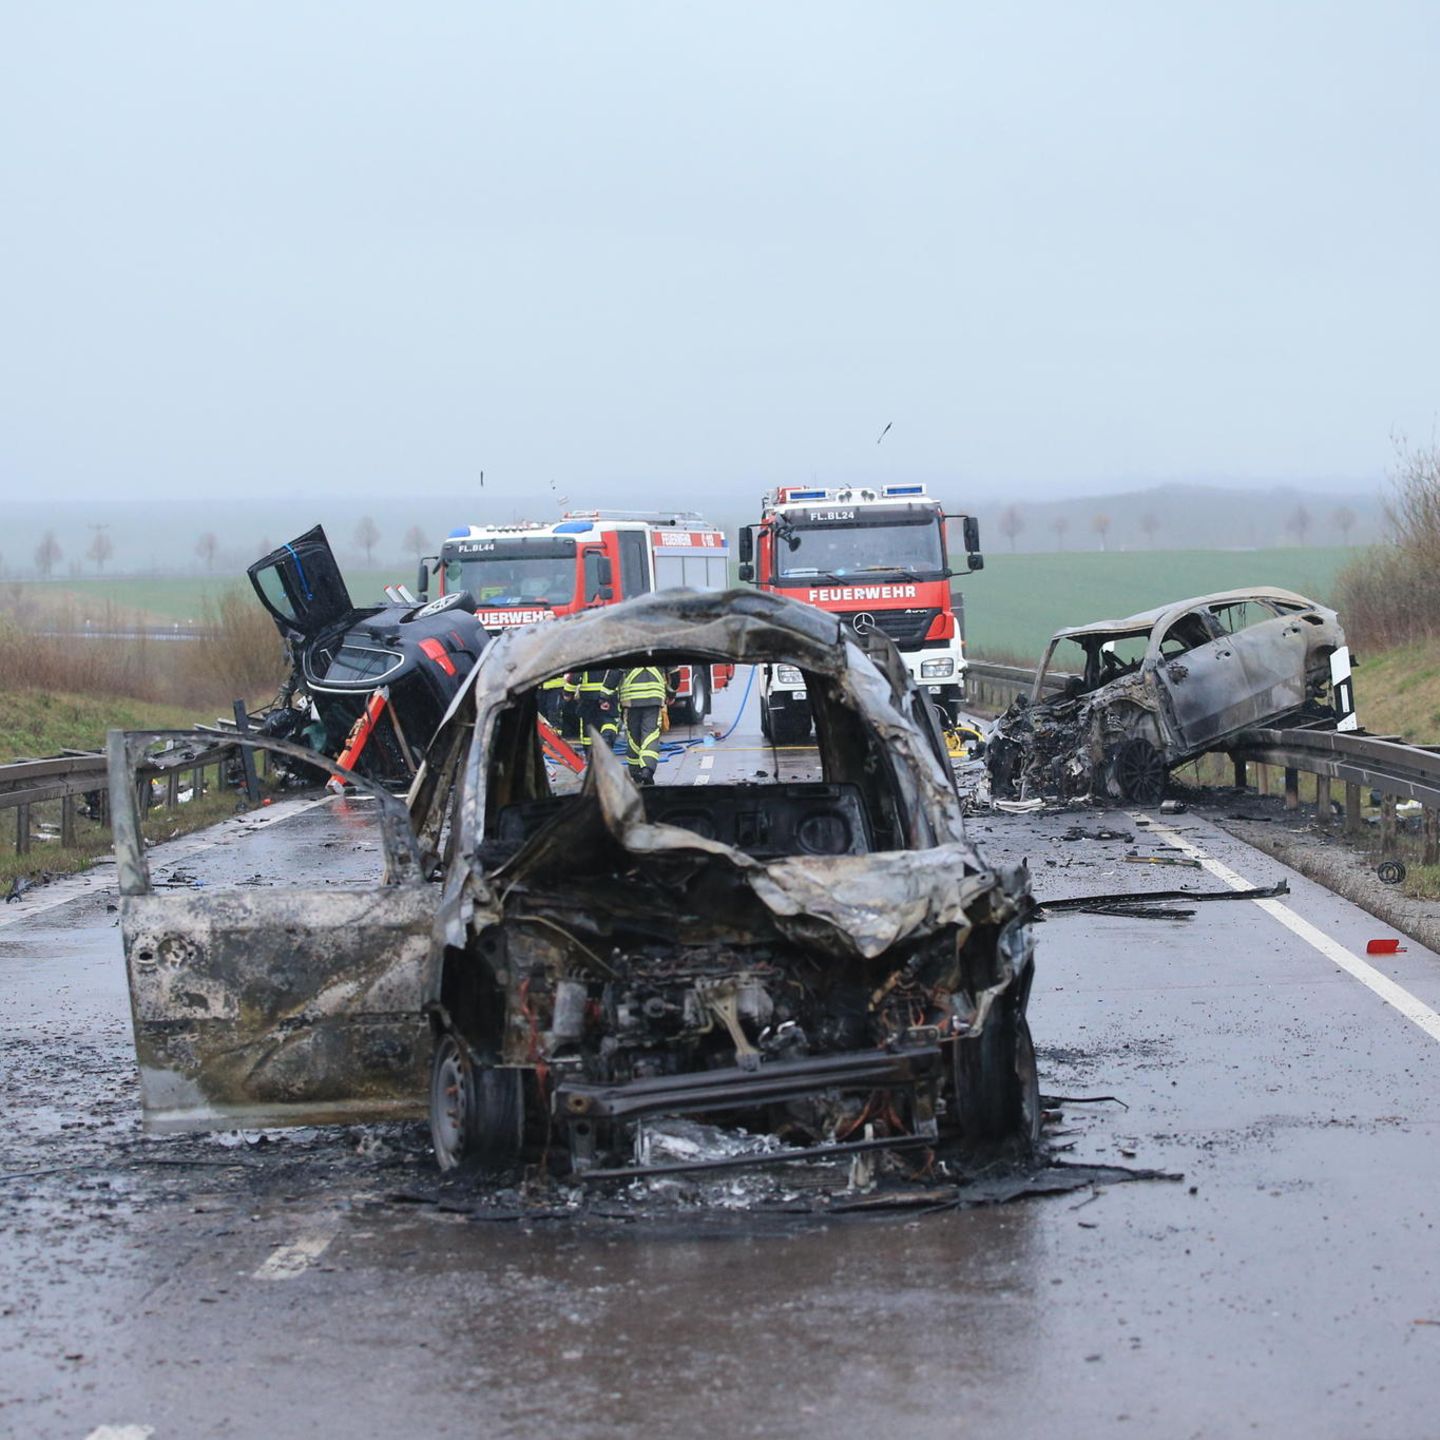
(220, 1287)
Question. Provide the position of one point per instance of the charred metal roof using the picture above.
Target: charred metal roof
(1146, 620)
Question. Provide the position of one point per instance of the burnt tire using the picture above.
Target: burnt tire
(477, 1111)
(997, 1085)
(1140, 772)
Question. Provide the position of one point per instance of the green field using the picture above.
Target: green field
(1017, 602)
(167, 599)
(1011, 607)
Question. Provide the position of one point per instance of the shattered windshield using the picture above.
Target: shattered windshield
(861, 547)
(516, 572)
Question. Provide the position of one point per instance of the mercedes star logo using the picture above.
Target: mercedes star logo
(863, 623)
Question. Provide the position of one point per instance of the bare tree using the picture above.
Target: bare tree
(1011, 524)
(1344, 519)
(415, 541)
(205, 548)
(1060, 524)
(48, 554)
(367, 534)
(1149, 524)
(1299, 524)
(101, 548)
(1100, 524)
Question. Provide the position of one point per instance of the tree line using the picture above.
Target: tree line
(49, 554)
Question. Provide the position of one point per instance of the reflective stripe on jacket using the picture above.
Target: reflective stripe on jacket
(645, 686)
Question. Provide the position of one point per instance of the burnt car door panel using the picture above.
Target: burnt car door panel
(1272, 650)
(275, 1006)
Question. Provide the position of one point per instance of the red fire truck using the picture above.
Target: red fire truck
(877, 559)
(529, 573)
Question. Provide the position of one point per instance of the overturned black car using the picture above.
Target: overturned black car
(368, 682)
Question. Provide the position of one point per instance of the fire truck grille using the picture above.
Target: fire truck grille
(907, 628)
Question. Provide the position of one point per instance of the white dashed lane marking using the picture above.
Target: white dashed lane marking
(298, 1256)
(1396, 996)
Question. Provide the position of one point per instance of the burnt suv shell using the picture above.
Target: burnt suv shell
(1161, 687)
(830, 961)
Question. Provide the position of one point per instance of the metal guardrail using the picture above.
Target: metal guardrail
(1399, 771)
(67, 777)
(994, 687)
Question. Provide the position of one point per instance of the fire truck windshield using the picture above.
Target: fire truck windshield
(867, 546)
(512, 572)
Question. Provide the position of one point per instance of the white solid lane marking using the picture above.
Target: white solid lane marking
(121, 1432)
(702, 779)
(707, 761)
(1396, 996)
(288, 1261)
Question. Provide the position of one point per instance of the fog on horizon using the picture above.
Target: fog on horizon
(647, 250)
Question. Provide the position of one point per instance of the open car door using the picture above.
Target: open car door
(300, 584)
(273, 1006)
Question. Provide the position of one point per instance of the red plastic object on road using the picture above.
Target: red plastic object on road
(1384, 947)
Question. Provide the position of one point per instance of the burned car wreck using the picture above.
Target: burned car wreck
(1144, 694)
(367, 683)
(544, 972)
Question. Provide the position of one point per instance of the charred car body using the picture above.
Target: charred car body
(1164, 686)
(829, 961)
(342, 655)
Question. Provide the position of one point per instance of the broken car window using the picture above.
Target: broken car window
(1242, 615)
(1185, 634)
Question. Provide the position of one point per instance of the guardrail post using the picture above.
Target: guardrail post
(172, 789)
(1387, 826)
(67, 821)
(1431, 853)
(22, 829)
(247, 756)
(1322, 801)
(1353, 824)
(1292, 788)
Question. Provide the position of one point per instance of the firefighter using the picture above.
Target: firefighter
(552, 702)
(570, 708)
(643, 693)
(598, 707)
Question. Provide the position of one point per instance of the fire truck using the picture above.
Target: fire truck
(530, 573)
(876, 558)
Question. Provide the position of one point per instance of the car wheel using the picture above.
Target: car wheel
(997, 1085)
(477, 1112)
(1140, 772)
(765, 727)
(698, 706)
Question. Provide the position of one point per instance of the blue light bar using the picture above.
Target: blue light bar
(904, 490)
(462, 532)
(807, 495)
(574, 527)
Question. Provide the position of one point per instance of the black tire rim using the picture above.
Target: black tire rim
(1140, 772)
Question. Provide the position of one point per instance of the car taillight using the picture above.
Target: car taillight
(942, 627)
(436, 651)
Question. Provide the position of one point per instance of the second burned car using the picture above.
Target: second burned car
(549, 969)
(1138, 696)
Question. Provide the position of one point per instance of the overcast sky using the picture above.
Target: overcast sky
(684, 251)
